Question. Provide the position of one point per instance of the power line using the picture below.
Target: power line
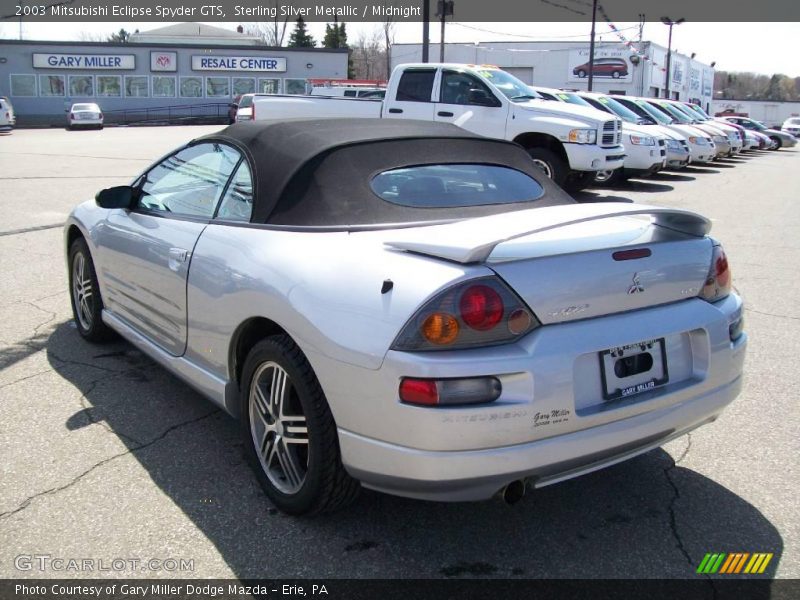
(532, 37)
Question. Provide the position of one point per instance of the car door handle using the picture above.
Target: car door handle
(177, 256)
(445, 113)
(396, 111)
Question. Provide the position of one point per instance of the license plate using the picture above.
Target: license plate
(633, 369)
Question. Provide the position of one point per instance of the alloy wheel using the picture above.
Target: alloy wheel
(82, 292)
(278, 427)
(544, 166)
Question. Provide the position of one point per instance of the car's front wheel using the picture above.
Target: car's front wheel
(550, 163)
(776, 143)
(87, 305)
(289, 434)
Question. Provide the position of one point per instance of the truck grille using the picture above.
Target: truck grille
(612, 133)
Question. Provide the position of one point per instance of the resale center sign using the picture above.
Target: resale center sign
(238, 63)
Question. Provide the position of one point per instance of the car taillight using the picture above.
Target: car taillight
(71, 115)
(480, 312)
(718, 282)
(449, 392)
(101, 115)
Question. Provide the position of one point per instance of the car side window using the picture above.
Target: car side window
(416, 85)
(237, 204)
(190, 182)
(457, 88)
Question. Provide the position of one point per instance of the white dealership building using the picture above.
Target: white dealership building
(180, 71)
(638, 69)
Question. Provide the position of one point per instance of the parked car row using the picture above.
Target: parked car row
(679, 133)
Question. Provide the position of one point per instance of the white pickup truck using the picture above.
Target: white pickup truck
(570, 143)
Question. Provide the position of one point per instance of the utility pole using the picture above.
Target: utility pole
(591, 46)
(670, 23)
(444, 8)
(426, 17)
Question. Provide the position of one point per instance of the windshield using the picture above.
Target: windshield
(573, 99)
(618, 109)
(700, 111)
(511, 87)
(652, 112)
(674, 113)
(688, 112)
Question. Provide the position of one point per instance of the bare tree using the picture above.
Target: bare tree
(91, 36)
(369, 56)
(388, 40)
(273, 32)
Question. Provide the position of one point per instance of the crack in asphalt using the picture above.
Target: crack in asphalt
(673, 524)
(27, 502)
(21, 379)
(761, 312)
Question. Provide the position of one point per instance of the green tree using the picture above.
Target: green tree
(300, 37)
(121, 36)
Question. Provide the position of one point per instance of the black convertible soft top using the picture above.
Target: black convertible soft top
(318, 172)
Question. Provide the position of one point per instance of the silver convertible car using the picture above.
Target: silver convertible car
(408, 307)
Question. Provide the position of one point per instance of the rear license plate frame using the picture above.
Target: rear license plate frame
(609, 356)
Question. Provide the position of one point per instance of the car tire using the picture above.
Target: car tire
(608, 177)
(549, 162)
(305, 475)
(581, 73)
(778, 143)
(84, 295)
(615, 74)
(576, 182)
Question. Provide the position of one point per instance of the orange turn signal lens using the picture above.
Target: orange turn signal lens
(440, 329)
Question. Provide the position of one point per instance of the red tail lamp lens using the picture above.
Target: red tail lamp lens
(419, 391)
(723, 271)
(481, 307)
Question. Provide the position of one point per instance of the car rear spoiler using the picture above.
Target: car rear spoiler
(473, 240)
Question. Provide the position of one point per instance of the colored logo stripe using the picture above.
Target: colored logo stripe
(723, 563)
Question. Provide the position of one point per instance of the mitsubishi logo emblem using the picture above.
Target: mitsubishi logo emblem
(636, 288)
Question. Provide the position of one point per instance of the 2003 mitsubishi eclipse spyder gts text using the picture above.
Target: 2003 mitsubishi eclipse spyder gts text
(409, 307)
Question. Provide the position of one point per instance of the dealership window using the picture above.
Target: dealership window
(218, 87)
(243, 85)
(136, 87)
(51, 85)
(109, 85)
(81, 85)
(163, 87)
(24, 85)
(295, 86)
(269, 86)
(191, 87)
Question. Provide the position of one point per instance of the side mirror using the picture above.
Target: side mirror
(481, 98)
(121, 196)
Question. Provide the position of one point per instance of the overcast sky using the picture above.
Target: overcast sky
(760, 47)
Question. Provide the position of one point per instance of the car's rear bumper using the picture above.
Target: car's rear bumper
(480, 474)
(550, 421)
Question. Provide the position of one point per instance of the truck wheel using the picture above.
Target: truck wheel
(607, 177)
(549, 162)
(579, 181)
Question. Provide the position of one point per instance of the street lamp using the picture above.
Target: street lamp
(669, 22)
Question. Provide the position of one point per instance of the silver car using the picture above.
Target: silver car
(409, 307)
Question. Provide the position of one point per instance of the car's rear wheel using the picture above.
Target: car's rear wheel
(289, 434)
(87, 305)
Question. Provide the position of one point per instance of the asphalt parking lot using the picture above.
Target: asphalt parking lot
(105, 455)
